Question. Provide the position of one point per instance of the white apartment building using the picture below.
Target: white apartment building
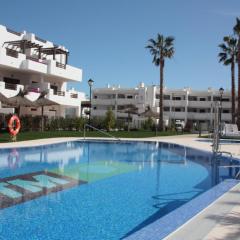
(179, 104)
(34, 65)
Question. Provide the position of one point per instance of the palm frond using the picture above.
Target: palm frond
(236, 28)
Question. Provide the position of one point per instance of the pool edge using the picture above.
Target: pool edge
(173, 221)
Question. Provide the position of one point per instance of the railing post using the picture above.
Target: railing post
(84, 129)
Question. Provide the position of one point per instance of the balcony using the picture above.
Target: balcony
(66, 98)
(123, 101)
(33, 64)
(9, 89)
(64, 71)
(176, 115)
(11, 58)
(173, 103)
(200, 104)
(200, 116)
(99, 101)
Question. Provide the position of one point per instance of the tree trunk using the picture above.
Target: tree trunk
(238, 60)
(161, 96)
(233, 89)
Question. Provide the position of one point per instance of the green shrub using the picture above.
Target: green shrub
(109, 120)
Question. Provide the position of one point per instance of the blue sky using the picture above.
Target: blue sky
(107, 38)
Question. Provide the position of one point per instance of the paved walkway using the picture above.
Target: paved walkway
(219, 221)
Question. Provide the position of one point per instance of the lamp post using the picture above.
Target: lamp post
(221, 90)
(90, 83)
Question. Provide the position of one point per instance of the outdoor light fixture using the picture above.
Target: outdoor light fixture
(221, 90)
(90, 83)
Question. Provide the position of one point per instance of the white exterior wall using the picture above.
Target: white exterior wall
(38, 75)
(178, 104)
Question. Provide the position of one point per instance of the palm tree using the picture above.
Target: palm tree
(236, 30)
(161, 48)
(228, 56)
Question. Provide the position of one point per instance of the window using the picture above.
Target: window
(120, 107)
(225, 111)
(166, 97)
(202, 110)
(202, 99)
(95, 97)
(130, 97)
(11, 80)
(121, 96)
(54, 88)
(192, 110)
(192, 98)
(176, 98)
(166, 109)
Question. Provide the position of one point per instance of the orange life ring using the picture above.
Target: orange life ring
(14, 130)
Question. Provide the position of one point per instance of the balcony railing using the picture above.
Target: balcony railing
(13, 32)
(10, 86)
(11, 53)
(33, 89)
(74, 95)
(35, 59)
(59, 93)
(60, 65)
(40, 39)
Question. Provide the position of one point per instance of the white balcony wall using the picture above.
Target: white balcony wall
(9, 92)
(226, 117)
(30, 65)
(171, 103)
(104, 101)
(176, 115)
(200, 116)
(9, 61)
(66, 100)
(32, 96)
(72, 73)
(127, 101)
(200, 104)
(226, 104)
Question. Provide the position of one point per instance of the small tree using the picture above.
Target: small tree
(109, 120)
(148, 124)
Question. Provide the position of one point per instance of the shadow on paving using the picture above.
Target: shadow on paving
(233, 220)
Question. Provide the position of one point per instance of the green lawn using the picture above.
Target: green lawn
(5, 137)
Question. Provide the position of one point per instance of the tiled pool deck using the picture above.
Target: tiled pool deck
(212, 215)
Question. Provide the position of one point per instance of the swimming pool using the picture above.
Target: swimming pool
(97, 190)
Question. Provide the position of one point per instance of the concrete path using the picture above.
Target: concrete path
(219, 221)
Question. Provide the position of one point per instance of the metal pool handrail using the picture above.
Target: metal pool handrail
(103, 132)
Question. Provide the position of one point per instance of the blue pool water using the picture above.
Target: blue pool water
(122, 187)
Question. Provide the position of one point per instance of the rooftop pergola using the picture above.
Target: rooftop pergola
(25, 44)
(54, 51)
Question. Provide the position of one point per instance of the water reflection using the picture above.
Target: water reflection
(13, 159)
(140, 154)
